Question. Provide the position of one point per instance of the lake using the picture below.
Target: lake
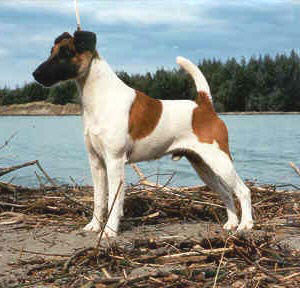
(262, 147)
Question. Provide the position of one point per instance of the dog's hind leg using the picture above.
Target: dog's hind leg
(244, 196)
(214, 183)
(216, 169)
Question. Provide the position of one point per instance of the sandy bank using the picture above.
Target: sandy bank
(40, 109)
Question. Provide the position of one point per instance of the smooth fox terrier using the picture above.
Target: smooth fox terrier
(123, 125)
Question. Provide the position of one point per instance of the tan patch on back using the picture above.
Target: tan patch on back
(144, 115)
(207, 125)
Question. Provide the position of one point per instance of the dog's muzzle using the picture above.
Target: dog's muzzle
(42, 76)
(51, 72)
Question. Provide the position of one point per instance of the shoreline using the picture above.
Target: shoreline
(40, 109)
(48, 109)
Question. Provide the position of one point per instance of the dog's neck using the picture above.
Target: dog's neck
(99, 82)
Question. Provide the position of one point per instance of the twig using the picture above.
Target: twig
(297, 170)
(46, 175)
(221, 261)
(8, 140)
(215, 251)
(111, 208)
(74, 256)
(46, 265)
(130, 281)
(4, 171)
(291, 276)
(50, 279)
(40, 253)
(60, 188)
(17, 218)
(13, 205)
(106, 273)
(181, 258)
(39, 178)
(145, 182)
(264, 270)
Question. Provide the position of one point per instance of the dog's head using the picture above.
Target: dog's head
(69, 59)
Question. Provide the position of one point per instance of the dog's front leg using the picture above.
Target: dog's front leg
(115, 174)
(99, 175)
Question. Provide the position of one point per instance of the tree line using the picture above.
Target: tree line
(262, 83)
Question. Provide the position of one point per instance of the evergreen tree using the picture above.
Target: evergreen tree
(264, 83)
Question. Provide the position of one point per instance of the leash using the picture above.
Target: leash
(77, 15)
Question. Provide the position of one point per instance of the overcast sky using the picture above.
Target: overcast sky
(143, 35)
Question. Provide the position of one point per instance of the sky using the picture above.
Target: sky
(139, 36)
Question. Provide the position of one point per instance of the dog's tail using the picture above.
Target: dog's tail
(194, 71)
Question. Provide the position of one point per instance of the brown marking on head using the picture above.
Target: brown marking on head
(207, 126)
(65, 48)
(61, 46)
(69, 59)
(144, 116)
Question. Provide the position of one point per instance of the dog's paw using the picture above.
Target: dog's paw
(93, 226)
(230, 225)
(245, 226)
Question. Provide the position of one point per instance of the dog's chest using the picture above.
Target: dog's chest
(107, 114)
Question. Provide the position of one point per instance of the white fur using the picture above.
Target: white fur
(192, 69)
(106, 104)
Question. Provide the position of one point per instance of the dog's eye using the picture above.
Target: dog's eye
(65, 52)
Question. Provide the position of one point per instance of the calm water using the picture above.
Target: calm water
(262, 147)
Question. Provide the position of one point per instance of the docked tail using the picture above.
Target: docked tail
(193, 70)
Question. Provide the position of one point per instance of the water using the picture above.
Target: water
(261, 145)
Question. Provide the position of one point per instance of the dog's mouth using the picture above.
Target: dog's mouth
(50, 73)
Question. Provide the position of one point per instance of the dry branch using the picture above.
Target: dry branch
(147, 183)
(15, 218)
(4, 171)
(297, 170)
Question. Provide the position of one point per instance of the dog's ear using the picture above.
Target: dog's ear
(65, 35)
(85, 41)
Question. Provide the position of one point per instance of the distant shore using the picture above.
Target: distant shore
(40, 109)
(48, 109)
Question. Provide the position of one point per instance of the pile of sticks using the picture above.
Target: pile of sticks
(232, 262)
(256, 259)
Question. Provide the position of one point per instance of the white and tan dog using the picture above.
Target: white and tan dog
(122, 125)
